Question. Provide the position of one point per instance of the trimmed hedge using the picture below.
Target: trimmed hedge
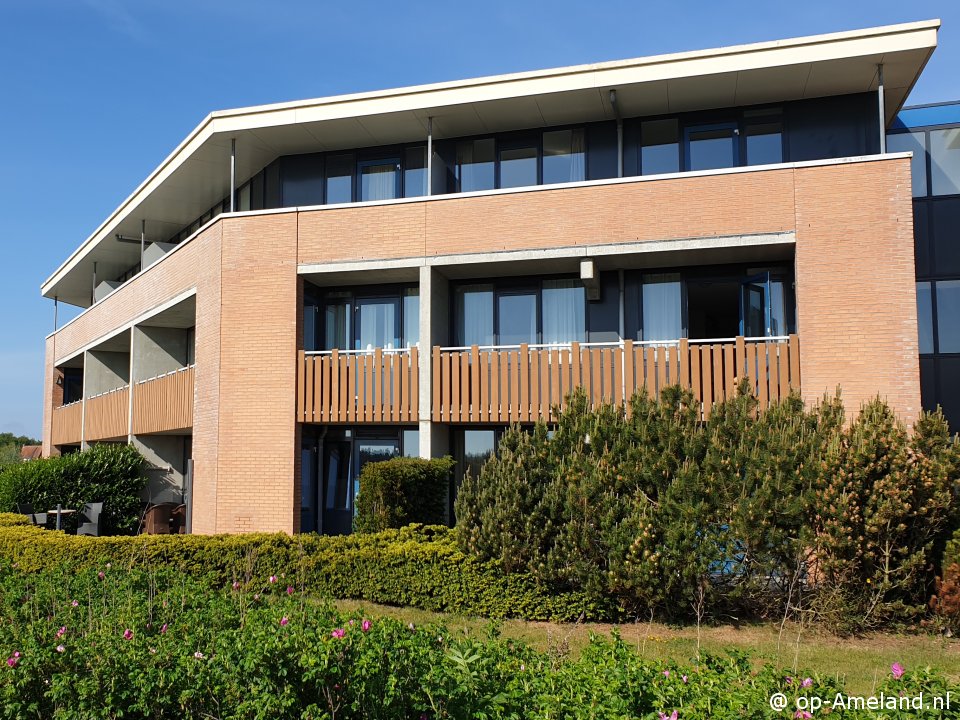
(401, 491)
(416, 566)
(111, 474)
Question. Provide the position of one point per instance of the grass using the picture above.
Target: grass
(861, 661)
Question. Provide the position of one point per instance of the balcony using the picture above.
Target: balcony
(341, 386)
(524, 383)
(164, 403)
(67, 424)
(106, 416)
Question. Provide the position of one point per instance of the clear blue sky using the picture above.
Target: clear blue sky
(96, 93)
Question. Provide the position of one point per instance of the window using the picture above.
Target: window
(339, 179)
(563, 156)
(563, 311)
(410, 440)
(475, 165)
(925, 318)
(710, 147)
(662, 307)
(243, 203)
(518, 165)
(764, 142)
(380, 179)
(945, 161)
(659, 147)
(411, 317)
(518, 318)
(415, 172)
(478, 447)
(916, 143)
(945, 223)
(337, 315)
(377, 325)
(474, 315)
(948, 310)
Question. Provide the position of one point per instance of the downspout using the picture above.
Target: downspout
(429, 156)
(616, 114)
(233, 173)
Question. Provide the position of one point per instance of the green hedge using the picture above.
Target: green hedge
(416, 566)
(401, 491)
(111, 474)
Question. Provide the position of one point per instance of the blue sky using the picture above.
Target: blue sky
(96, 93)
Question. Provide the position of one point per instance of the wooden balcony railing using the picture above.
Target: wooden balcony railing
(523, 384)
(107, 416)
(67, 424)
(353, 387)
(164, 403)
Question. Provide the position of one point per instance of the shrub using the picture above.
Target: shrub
(111, 474)
(756, 514)
(401, 491)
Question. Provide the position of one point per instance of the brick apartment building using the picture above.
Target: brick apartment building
(304, 287)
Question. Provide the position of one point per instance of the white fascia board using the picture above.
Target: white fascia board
(835, 46)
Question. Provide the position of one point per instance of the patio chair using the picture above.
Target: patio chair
(38, 519)
(90, 519)
(178, 520)
(156, 521)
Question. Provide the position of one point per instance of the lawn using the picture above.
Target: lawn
(861, 662)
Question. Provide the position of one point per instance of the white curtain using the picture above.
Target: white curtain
(662, 307)
(380, 182)
(563, 310)
(475, 315)
(377, 325)
(577, 157)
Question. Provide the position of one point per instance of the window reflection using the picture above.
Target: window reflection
(475, 165)
(474, 313)
(711, 148)
(563, 156)
(518, 318)
(764, 143)
(662, 307)
(518, 167)
(945, 161)
(914, 142)
(660, 147)
(415, 172)
(925, 317)
(339, 179)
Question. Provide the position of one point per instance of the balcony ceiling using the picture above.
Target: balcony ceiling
(196, 174)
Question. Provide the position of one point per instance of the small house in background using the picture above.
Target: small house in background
(31, 452)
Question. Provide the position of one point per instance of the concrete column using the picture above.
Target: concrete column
(434, 330)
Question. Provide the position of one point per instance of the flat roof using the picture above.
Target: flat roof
(195, 175)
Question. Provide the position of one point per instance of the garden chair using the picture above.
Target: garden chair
(90, 519)
(38, 519)
(178, 520)
(156, 521)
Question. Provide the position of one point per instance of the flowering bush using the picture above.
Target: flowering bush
(163, 645)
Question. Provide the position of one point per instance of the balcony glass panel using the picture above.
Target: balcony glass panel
(563, 311)
(945, 161)
(916, 143)
(475, 165)
(563, 156)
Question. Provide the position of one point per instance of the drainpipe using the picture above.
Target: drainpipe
(55, 311)
(233, 173)
(882, 110)
(143, 241)
(93, 290)
(429, 156)
(616, 113)
(188, 496)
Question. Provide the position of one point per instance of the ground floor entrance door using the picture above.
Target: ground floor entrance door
(337, 487)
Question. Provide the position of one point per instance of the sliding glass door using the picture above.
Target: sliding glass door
(380, 179)
(762, 306)
(377, 323)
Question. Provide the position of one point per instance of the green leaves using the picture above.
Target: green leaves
(403, 490)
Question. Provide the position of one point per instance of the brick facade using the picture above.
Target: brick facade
(854, 285)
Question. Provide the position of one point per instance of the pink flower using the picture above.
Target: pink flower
(101, 575)
(671, 716)
(61, 632)
(236, 585)
(802, 715)
(788, 680)
(128, 634)
(666, 673)
(351, 623)
(75, 603)
(365, 626)
(273, 579)
(897, 670)
(289, 590)
(12, 661)
(163, 628)
(284, 620)
(338, 633)
(807, 682)
(684, 678)
(61, 648)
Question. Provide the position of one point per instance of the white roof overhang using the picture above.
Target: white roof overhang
(196, 174)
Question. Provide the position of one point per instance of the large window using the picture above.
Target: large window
(945, 161)
(564, 156)
(763, 141)
(415, 172)
(548, 311)
(518, 164)
(381, 317)
(916, 143)
(662, 307)
(711, 147)
(475, 165)
(339, 178)
(948, 310)
(659, 147)
(554, 156)
(380, 179)
(925, 318)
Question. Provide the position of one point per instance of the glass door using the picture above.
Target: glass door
(380, 179)
(371, 450)
(755, 320)
(337, 488)
(709, 147)
(517, 318)
(308, 488)
(377, 324)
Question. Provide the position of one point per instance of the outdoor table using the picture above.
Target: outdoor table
(60, 512)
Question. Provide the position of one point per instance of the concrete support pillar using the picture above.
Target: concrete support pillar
(434, 330)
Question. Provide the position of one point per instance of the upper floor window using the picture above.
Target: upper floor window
(659, 147)
(564, 156)
(915, 142)
(945, 161)
(378, 317)
(763, 139)
(554, 156)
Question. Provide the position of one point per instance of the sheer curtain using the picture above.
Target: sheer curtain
(377, 325)
(577, 157)
(380, 182)
(474, 315)
(662, 307)
(563, 308)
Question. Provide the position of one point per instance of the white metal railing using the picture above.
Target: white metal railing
(166, 374)
(366, 351)
(107, 392)
(616, 344)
